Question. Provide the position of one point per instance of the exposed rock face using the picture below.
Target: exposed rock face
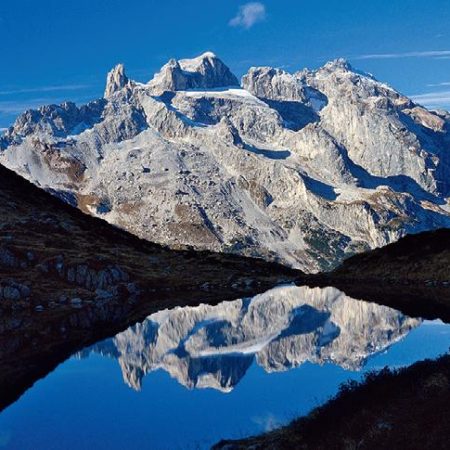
(382, 131)
(115, 80)
(55, 120)
(301, 168)
(204, 72)
(213, 346)
(273, 84)
(84, 275)
(51, 252)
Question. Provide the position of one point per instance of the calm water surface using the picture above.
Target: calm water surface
(187, 377)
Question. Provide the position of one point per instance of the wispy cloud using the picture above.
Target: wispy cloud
(15, 107)
(425, 54)
(438, 99)
(248, 15)
(67, 87)
(444, 83)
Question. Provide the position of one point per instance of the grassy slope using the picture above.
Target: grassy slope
(422, 258)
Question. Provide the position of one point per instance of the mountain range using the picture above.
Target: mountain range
(304, 169)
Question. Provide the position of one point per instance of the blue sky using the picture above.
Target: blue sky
(54, 50)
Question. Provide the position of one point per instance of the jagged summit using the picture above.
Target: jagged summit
(195, 64)
(271, 83)
(115, 80)
(304, 168)
(338, 63)
(206, 71)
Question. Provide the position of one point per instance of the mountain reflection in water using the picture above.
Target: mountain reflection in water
(214, 346)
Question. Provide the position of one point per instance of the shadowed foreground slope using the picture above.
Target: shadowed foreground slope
(405, 409)
(422, 258)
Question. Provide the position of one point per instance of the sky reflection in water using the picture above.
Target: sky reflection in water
(188, 377)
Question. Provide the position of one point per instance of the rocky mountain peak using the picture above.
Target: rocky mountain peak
(271, 83)
(206, 71)
(195, 64)
(339, 63)
(115, 80)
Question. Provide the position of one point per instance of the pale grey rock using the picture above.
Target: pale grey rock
(55, 120)
(206, 71)
(116, 80)
(102, 294)
(11, 293)
(383, 131)
(97, 280)
(273, 84)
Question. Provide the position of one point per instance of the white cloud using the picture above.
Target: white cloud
(438, 99)
(68, 87)
(426, 54)
(18, 106)
(248, 15)
(445, 83)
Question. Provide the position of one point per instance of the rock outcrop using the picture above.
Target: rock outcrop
(115, 80)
